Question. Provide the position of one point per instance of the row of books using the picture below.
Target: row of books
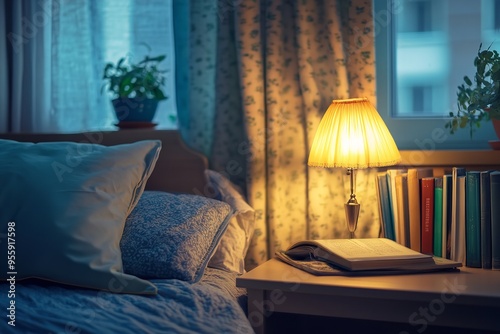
(455, 215)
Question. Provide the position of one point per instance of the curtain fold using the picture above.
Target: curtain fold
(197, 92)
(79, 53)
(229, 146)
(181, 24)
(27, 43)
(208, 86)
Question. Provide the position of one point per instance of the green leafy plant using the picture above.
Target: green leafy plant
(135, 80)
(478, 100)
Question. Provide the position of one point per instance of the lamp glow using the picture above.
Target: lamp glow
(352, 135)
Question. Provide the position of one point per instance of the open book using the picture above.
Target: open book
(361, 256)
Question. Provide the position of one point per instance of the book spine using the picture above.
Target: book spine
(447, 191)
(414, 209)
(385, 206)
(379, 202)
(427, 214)
(391, 181)
(472, 229)
(438, 217)
(485, 203)
(402, 204)
(406, 210)
(495, 219)
(457, 249)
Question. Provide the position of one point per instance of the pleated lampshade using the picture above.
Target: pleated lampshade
(352, 134)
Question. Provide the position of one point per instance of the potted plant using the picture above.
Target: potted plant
(478, 100)
(136, 88)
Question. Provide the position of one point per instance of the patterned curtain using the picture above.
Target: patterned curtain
(207, 85)
(260, 76)
(295, 57)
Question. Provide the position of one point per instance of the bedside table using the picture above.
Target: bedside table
(465, 300)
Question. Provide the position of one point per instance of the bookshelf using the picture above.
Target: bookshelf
(444, 159)
(462, 209)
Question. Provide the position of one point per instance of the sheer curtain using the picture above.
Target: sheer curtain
(26, 59)
(56, 52)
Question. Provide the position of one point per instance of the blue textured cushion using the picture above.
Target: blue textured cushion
(67, 204)
(172, 236)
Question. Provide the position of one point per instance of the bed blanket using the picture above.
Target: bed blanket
(209, 306)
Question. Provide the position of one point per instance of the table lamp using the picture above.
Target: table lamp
(352, 135)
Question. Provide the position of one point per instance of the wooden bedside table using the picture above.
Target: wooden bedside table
(465, 300)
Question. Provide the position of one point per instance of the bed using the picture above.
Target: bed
(118, 232)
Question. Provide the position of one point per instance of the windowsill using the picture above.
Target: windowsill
(474, 159)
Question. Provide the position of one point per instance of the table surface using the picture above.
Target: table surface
(474, 285)
(469, 298)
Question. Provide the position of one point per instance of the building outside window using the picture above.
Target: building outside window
(424, 49)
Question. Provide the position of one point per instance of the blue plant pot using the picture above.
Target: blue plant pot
(135, 109)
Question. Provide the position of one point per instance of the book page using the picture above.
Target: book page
(365, 249)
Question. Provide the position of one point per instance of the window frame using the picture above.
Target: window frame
(412, 133)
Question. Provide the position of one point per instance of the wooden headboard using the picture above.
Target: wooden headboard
(178, 169)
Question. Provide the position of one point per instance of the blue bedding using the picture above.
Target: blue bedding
(212, 305)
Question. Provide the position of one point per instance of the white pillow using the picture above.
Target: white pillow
(66, 205)
(232, 249)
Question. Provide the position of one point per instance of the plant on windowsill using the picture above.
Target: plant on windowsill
(478, 100)
(136, 88)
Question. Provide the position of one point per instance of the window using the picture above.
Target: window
(423, 50)
(86, 36)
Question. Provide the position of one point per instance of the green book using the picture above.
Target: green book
(495, 219)
(472, 221)
(385, 206)
(485, 200)
(438, 217)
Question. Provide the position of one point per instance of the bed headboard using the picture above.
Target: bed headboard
(178, 169)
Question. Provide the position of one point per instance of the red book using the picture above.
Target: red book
(427, 214)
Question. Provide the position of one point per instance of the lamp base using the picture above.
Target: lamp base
(352, 213)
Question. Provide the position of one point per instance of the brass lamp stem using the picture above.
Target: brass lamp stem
(352, 207)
